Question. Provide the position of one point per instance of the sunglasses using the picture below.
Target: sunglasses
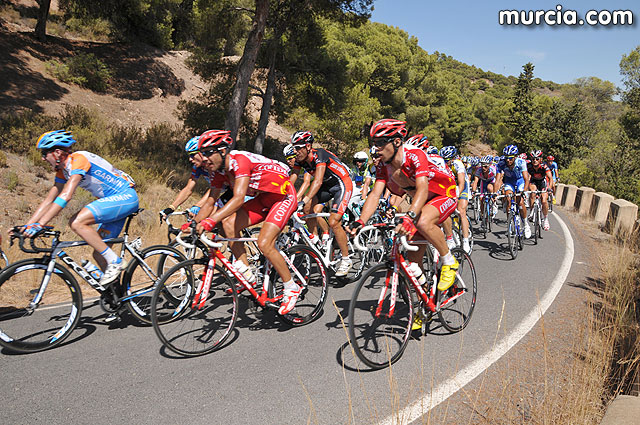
(47, 152)
(509, 157)
(298, 147)
(209, 152)
(192, 154)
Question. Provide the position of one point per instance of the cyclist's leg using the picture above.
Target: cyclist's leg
(321, 223)
(244, 217)
(341, 196)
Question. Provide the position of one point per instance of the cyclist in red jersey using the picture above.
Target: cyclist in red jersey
(331, 180)
(406, 169)
(274, 201)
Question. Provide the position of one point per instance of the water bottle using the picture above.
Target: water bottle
(92, 269)
(314, 239)
(416, 272)
(325, 239)
(244, 270)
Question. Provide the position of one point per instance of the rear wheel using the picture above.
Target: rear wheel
(378, 335)
(307, 271)
(140, 278)
(26, 328)
(457, 303)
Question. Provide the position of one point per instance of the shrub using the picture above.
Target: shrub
(12, 181)
(83, 69)
(3, 159)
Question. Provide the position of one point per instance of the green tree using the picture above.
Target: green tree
(522, 120)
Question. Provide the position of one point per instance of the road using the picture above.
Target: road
(267, 372)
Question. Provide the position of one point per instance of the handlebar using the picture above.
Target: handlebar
(46, 232)
(174, 230)
(203, 238)
(403, 239)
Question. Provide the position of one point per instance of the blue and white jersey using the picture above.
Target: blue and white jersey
(515, 173)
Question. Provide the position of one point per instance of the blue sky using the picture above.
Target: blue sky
(469, 32)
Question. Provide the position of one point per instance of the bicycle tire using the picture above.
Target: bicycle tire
(311, 301)
(184, 328)
(139, 278)
(512, 235)
(484, 221)
(379, 341)
(455, 313)
(536, 223)
(4, 261)
(25, 330)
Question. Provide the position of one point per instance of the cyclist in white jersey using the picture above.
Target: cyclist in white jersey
(448, 153)
(114, 189)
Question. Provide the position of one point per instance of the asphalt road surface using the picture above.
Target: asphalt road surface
(269, 373)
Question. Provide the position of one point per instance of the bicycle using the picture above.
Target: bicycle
(205, 317)
(486, 212)
(536, 215)
(515, 230)
(41, 301)
(4, 261)
(381, 311)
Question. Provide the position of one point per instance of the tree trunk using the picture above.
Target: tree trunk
(267, 99)
(43, 15)
(246, 67)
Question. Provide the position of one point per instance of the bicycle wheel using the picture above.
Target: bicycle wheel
(536, 223)
(520, 232)
(512, 235)
(378, 337)
(308, 272)
(484, 221)
(539, 223)
(4, 261)
(140, 277)
(457, 302)
(374, 241)
(186, 328)
(26, 329)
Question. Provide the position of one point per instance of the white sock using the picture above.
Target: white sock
(448, 259)
(110, 256)
(291, 285)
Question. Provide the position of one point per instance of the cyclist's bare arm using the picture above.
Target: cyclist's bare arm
(550, 180)
(67, 193)
(317, 182)
(240, 188)
(371, 203)
(184, 194)
(365, 188)
(474, 185)
(203, 200)
(460, 182)
(209, 205)
(527, 178)
(306, 182)
(293, 178)
(44, 205)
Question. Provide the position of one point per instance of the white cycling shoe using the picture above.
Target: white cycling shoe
(527, 231)
(343, 267)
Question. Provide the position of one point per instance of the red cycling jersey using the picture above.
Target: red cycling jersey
(266, 175)
(416, 163)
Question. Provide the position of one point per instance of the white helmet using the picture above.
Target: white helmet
(289, 151)
(360, 156)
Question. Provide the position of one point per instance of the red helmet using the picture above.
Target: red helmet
(388, 128)
(550, 158)
(523, 155)
(215, 139)
(414, 140)
(536, 154)
(301, 138)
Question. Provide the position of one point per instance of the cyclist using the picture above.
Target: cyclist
(553, 166)
(331, 180)
(513, 172)
(405, 169)
(486, 176)
(290, 156)
(274, 201)
(197, 171)
(449, 154)
(114, 189)
(540, 174)
(360, 174)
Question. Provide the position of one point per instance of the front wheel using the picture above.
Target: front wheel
(308, 271)
(379, 321)
(456, 304)
(512, 236)
(189, 327)
(25, 327)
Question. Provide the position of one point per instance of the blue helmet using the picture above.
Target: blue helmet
(510, 150)
(448, 152)
(192, 145)
(56, 138)
(432, 150)
(487, 159)
(474, 161)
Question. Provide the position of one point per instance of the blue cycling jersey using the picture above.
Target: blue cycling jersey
(515, 173)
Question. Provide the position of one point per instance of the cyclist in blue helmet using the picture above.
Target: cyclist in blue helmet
(114, 189)
(197, 171)
(512, 171)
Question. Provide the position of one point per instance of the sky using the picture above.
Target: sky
(469, 31)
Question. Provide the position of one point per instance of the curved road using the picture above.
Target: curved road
(268, 373)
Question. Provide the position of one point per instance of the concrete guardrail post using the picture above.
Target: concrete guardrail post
(569, 196)
(622, 217)
(623, 410)
(582, 203)
(599, 210)
(560, 189)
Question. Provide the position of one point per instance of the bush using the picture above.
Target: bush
(3, 159)
(83, 69)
